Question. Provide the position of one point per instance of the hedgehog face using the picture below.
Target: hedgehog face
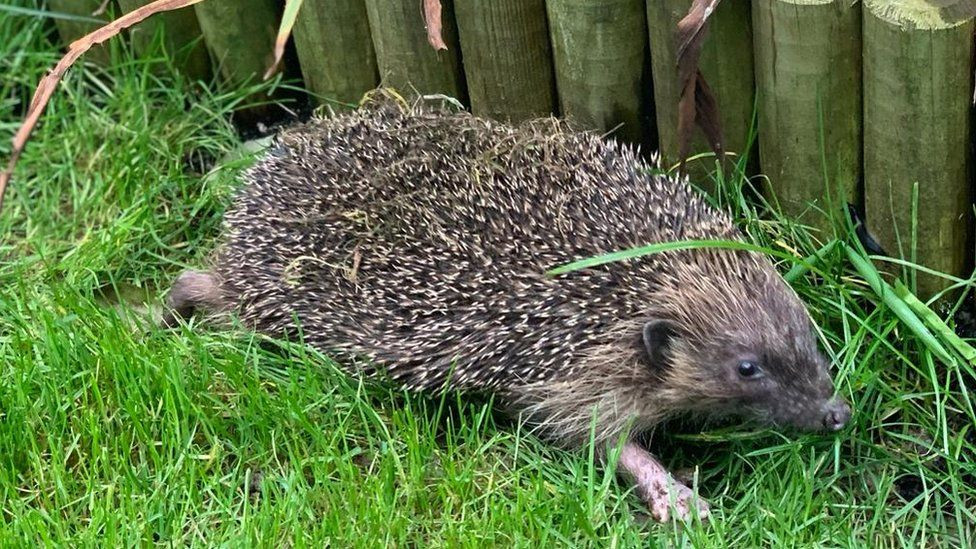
(777, 386)
(755, 380)
(756, 359)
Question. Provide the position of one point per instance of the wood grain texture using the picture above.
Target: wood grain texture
(507, 58)
(335, 50)
(602, 71)
(808, 78)
(240, 35)
(406, 61)
(917, 105)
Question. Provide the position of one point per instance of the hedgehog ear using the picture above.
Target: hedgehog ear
(657, 338)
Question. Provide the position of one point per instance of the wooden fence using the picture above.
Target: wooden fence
(863, 102)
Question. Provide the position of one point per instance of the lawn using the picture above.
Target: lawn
(114, 432)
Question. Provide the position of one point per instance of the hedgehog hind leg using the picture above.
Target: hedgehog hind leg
(191, 292)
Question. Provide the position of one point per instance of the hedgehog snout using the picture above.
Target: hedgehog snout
(808, 411)
(827, 415)
(836, 413)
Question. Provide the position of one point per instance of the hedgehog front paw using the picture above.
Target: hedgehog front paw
(663, 499)
(662, 493)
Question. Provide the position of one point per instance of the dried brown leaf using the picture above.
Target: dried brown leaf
(697, 105)
(707, 116)
(288, 19)
(45, 89)
(432, 19)
(692, 26)
(686, 117)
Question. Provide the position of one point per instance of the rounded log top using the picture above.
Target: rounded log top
(923, 14)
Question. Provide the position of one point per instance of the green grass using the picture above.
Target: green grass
(113, 432)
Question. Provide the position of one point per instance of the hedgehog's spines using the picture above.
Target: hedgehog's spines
(418, 239)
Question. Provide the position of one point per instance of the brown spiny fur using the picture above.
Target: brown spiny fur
(418, 239)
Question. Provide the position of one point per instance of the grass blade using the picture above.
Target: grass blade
(935, 323)
(660, 247)
(898, 306)
(20, 10)
(816, 257)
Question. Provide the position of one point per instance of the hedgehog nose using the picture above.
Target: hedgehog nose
(836, 414)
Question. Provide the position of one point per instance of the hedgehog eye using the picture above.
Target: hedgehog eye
(749, 369)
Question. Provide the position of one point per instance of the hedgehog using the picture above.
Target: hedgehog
(415, 242)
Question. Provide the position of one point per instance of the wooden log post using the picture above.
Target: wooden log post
(406, 61)
(71, 30)
(600, 49)
(507, 58)
(918, 77)
(335, 50)
(240, 35)
(726, 62)
(182, 38)
(808, 78)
